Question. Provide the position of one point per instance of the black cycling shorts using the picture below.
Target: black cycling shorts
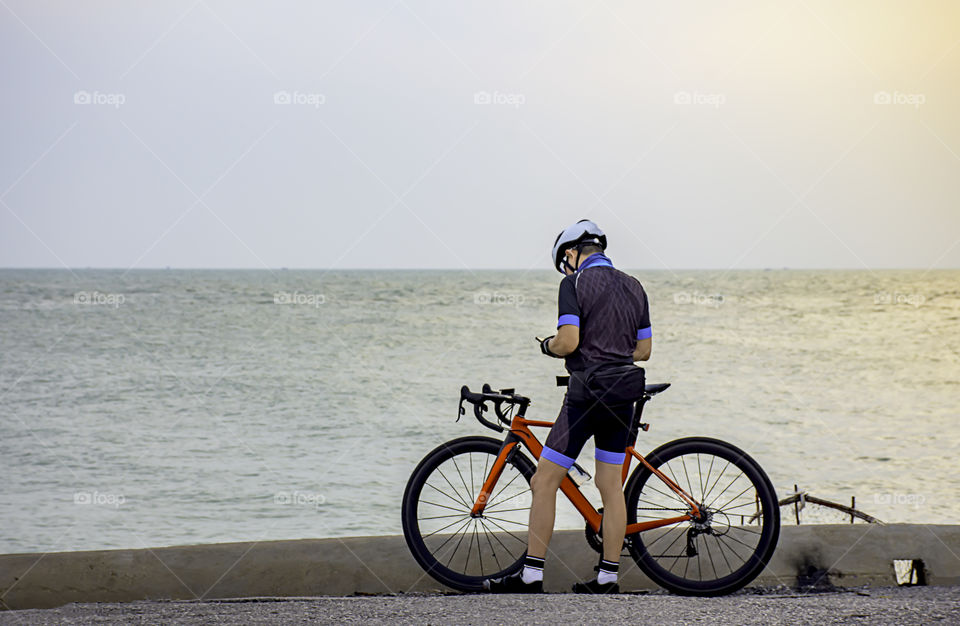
(609, 427)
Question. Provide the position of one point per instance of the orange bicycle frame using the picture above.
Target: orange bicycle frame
(520, 433)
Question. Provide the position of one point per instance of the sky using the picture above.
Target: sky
(411, 134)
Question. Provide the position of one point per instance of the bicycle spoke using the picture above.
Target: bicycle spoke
(479, 548)
(740, 542)
(730, 501)
(444, 476)
(723, 554)
(507, 531)
(699, 474)
(751, 503)
(662, 535)
(689, 486)
(748, 488)
(672, 475)
(454, 459)
(497, 537)
(682, 551)
(473, 494)
(423, 519)
(493, 550)
(442, 529)
(505, 521)
(443, 506)
(494, 497)
(522, 508)
(661, 507)
(459, 542)
(671, 495)
(466, 566)
(706, 545)
(709, 471)
(501, 503)
(709, 491)
(440, 547)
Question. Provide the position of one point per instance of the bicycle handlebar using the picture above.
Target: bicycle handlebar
(479, 402)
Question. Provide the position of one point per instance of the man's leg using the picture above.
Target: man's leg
(563, 444)
(543, 484)
(543, 509)
(614, 509)
(612, 432)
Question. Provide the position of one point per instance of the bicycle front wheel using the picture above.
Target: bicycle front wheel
(731, 541)
(453, 547)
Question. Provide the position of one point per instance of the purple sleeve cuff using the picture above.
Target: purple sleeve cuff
(644, 333)
(569, 320)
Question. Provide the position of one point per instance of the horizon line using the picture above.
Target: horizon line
(463, 269)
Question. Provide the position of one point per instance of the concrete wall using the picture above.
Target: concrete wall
(853, 555)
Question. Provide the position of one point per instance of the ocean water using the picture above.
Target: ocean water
(169, 407)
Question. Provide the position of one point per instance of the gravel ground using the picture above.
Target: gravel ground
(908, 605)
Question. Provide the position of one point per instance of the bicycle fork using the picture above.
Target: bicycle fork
(508, 448)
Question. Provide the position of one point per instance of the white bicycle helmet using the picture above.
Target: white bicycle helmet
(583, 233)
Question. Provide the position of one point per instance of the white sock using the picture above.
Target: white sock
(532, 569)
(606, 577)
(607, 572)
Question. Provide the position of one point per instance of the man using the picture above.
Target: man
(603, 318)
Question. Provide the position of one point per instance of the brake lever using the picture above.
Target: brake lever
(499, 411)
(478, 410)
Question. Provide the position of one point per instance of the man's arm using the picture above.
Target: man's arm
(566, 340)
(642, 351)
(568, 321)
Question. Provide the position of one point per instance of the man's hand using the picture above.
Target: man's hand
(545, 346)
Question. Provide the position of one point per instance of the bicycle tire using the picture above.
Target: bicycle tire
(430, 558)
(661, 563)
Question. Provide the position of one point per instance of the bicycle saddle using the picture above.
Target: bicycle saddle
(652, 390)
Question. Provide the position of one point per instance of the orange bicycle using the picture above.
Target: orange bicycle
(702, 516)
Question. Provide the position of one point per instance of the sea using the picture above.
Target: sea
(166, 407)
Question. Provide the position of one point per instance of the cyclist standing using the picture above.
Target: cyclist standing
(603, 319)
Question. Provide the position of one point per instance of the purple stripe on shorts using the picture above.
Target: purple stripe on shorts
(560, 459)
(605, 456)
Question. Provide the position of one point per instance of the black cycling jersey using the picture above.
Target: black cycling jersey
(610, 309)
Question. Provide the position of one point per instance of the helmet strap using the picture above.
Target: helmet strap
(579, 247)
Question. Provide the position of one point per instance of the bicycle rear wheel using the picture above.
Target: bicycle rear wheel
(736, 534)
(456, 549)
